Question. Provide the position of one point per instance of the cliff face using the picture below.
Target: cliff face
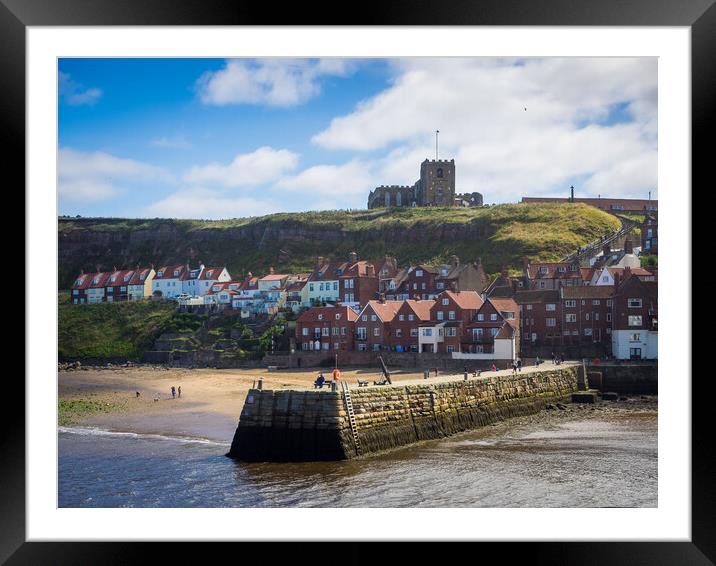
(500, 235)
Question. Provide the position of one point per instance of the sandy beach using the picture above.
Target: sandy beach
(210, 403)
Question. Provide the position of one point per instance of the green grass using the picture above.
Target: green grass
(500, 235)
(111, 330)
(72, 411)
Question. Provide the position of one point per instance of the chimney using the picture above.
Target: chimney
(114, 268)
(271, 270)
(352, 257)
(319, 263)
(82, 271)
(504, 272)
(525, 264)
(370, 270)
(628, 246)
(627, 272)
(617, 279)
(453, 286)
(455, 260)
(514, 286)
(381, 297)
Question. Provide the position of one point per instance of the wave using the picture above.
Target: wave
(91, 431)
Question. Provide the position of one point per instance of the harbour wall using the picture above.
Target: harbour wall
(289, 425)
(625, 378)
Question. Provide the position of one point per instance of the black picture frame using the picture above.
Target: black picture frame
(699, 15)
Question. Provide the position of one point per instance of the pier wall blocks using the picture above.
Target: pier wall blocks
(313, 425)
(626, 378)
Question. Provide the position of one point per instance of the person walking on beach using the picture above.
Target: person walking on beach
(174, 392)
(179, 391)
(519, 364)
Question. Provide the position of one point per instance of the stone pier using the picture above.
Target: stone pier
(293, 426)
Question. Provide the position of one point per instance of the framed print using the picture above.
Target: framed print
(392, 279)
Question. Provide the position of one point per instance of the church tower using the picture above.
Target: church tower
(437, 183)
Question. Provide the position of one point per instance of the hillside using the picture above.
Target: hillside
(501, 235)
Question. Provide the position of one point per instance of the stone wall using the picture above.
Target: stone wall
(626, 378)
(314, 425)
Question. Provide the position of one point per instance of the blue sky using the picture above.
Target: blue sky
(215, 138)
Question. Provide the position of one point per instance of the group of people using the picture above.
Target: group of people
(557, 360)
(516, 365)
(175, 391)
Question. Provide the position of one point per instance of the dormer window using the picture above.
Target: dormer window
(113, 278)
(176, 273)
(543, 270)
(419, 273)
(443, 272)
(446, 301)
(160, 274)
(126, 278)
(142, 277)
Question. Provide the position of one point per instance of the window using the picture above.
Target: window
(596, 302)
(635, 321)
(586, 316)
(636, 337)
(529, 307)
(365, 318)
(634, 303)
(451, 315)
(493, 332)
(571, 318)
(325, 345)
(450, 349)
(570, 303)
(304, 331)
(587, 331)
(401, 317)
(609, 317)
(362, 333)
(418, 273)
(477, 332)
(338, 316)
(480, 316)
(335, 331)
(311, 287)
(596, 316)
(551, 321)
(373, 317)
(609, 302)
(493, 316)
(440, 315)
(176, 273)
(446, 302)
(411, 317)
(440, 173)
(413, 332)
(398, 332)
(542, 285)
(325, 331)
(376, 332)
(451, 331)
(441, 285)
(549, 307)
(427, 331)
(320, 317)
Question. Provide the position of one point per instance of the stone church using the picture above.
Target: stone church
(436, 187)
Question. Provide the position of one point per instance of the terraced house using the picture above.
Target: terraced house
(374, 325)
(326, 329)
(494, 329)
(452, 311)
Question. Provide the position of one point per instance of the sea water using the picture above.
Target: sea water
(605, 461)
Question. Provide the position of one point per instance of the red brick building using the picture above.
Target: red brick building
(117, 285)
(635, 314)
(328, 329)
(552, 275)
(492, 317)
(587, 315)
(405, 326)
(450, 314)
(540, 317)
(374, 325)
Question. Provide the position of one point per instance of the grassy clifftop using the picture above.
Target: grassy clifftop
(501, 235)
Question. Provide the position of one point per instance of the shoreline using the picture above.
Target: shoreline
(212, 400)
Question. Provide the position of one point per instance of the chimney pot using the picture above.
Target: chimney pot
(353, 257)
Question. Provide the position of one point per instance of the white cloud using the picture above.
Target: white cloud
(340, 182)
(175, 142)
(209, 204)
(92, 176)
(73, 93)
(273, 82)
(248, 169)
(501, 149)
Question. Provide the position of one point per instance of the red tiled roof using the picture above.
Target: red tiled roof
(464, 299)
(273, 277)
(210, 273)
(533, 270)
(136, 277)
(420, 308)
(329, 313)
(119, 278)
(167, 272)
(386, 311)
(100, 279)
(82, 281)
